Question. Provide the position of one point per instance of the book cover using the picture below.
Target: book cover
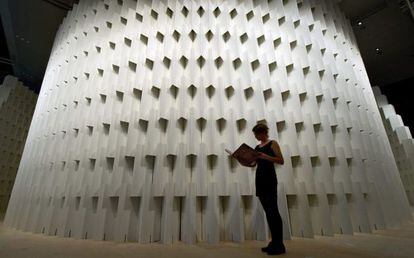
(245, 155)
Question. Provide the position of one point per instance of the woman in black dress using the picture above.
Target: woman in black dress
(266, 186)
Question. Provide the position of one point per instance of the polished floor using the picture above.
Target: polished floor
(397, 242)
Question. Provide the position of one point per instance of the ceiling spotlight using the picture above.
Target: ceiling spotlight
(378, 50)
(359, 23)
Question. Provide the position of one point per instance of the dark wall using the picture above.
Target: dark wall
(5, 67)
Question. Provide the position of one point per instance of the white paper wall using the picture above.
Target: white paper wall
(401, 141)
(140, 99)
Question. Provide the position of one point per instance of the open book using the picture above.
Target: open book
(245, 155)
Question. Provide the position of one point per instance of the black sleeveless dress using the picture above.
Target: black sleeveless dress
(266, 180)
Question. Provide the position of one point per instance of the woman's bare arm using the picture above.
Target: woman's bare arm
(276, 148)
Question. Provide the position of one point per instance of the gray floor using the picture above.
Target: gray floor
(383, 243)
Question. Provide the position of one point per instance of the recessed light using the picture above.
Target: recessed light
(359, 23)
(378, 50)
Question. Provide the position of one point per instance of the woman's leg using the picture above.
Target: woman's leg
(269, 203)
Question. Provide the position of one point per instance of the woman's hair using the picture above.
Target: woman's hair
(260, 128)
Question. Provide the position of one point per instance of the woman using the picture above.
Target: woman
(266, 186)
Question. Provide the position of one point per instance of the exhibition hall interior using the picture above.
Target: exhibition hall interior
(209, 128)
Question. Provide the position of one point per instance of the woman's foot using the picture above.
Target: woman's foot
(264, 249)
(275, 250)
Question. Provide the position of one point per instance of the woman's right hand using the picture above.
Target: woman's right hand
(261, 155)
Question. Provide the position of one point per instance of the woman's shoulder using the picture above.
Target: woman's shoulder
(274, 141)
(273, 144)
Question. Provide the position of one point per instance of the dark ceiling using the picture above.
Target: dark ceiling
(30, 27)
(29, 30)
(389, 26)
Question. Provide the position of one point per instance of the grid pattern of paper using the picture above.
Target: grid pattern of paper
(401, 140)
(141, 98)
(17, 104)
